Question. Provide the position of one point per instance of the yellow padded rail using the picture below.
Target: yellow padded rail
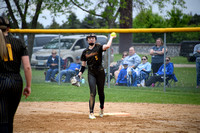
(132, 30)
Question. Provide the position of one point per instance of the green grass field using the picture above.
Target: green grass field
(184, 91)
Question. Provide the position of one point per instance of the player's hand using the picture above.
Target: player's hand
(27, 92)
(113, 36)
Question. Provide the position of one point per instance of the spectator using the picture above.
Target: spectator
(142, 71)
(160, 74)
(133, 61)
(71, 71)
(157, 53)
(52, 63)
(115, 67)
(197, 55)
(122, 77)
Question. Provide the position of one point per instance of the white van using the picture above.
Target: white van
(70, 47)
(40, 40)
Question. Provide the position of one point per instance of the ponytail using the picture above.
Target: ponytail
(3, 50)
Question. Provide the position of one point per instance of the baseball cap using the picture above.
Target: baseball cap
(78, 57)
(125, 63)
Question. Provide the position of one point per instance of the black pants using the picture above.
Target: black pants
(96, 77)
(155, 67)
(154, 79)
(10, 94)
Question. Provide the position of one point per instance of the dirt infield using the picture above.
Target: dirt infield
(61, 117)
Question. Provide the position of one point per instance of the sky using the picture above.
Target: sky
(192, 7)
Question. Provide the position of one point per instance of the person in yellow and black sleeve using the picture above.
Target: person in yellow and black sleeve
(92, 55)
(12, 53)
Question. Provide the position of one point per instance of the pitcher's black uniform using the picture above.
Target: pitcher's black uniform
(96, 74)
(11, 84)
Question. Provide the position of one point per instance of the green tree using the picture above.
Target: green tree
(39, 26)
(108, 9)
(111, 9)
(54, 25)
(20, 10)
(178, 19)
(72, 22)
(89, 22)
(195, 20)
(147, 19)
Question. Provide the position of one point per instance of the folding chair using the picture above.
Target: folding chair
(144, 75)
(169, 80)
(131, 78)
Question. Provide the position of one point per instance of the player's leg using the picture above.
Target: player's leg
(92, 85)
(14, 99)
(4, 84)
(100, 86)
(10, 95)
(3, 113)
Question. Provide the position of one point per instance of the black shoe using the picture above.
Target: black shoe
(53, 80)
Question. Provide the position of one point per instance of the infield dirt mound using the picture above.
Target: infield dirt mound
(62, 117)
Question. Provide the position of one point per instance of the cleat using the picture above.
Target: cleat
(91, 116)
(101, 113)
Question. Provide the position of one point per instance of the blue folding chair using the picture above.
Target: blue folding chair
(131, 78)
(169, 80)
(144, 75)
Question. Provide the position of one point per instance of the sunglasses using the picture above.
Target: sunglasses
(143, 59)
(53, 53)
(166, 60)
(124, 55)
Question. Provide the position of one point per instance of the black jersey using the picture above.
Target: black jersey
(93, 56)
(16, 49)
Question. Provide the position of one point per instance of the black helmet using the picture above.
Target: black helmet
(91, 35)
(4, 23)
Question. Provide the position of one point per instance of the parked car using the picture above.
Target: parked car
(41, 40)
(187, 48)
(70, 47)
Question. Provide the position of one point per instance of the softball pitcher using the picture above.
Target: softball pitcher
(96, 75)
(12, 52)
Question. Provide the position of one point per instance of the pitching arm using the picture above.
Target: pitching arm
(107, 46)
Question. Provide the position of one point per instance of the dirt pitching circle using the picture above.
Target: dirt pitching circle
(64, 117)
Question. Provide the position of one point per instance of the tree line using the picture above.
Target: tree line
(145, 19)
(102, 14)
